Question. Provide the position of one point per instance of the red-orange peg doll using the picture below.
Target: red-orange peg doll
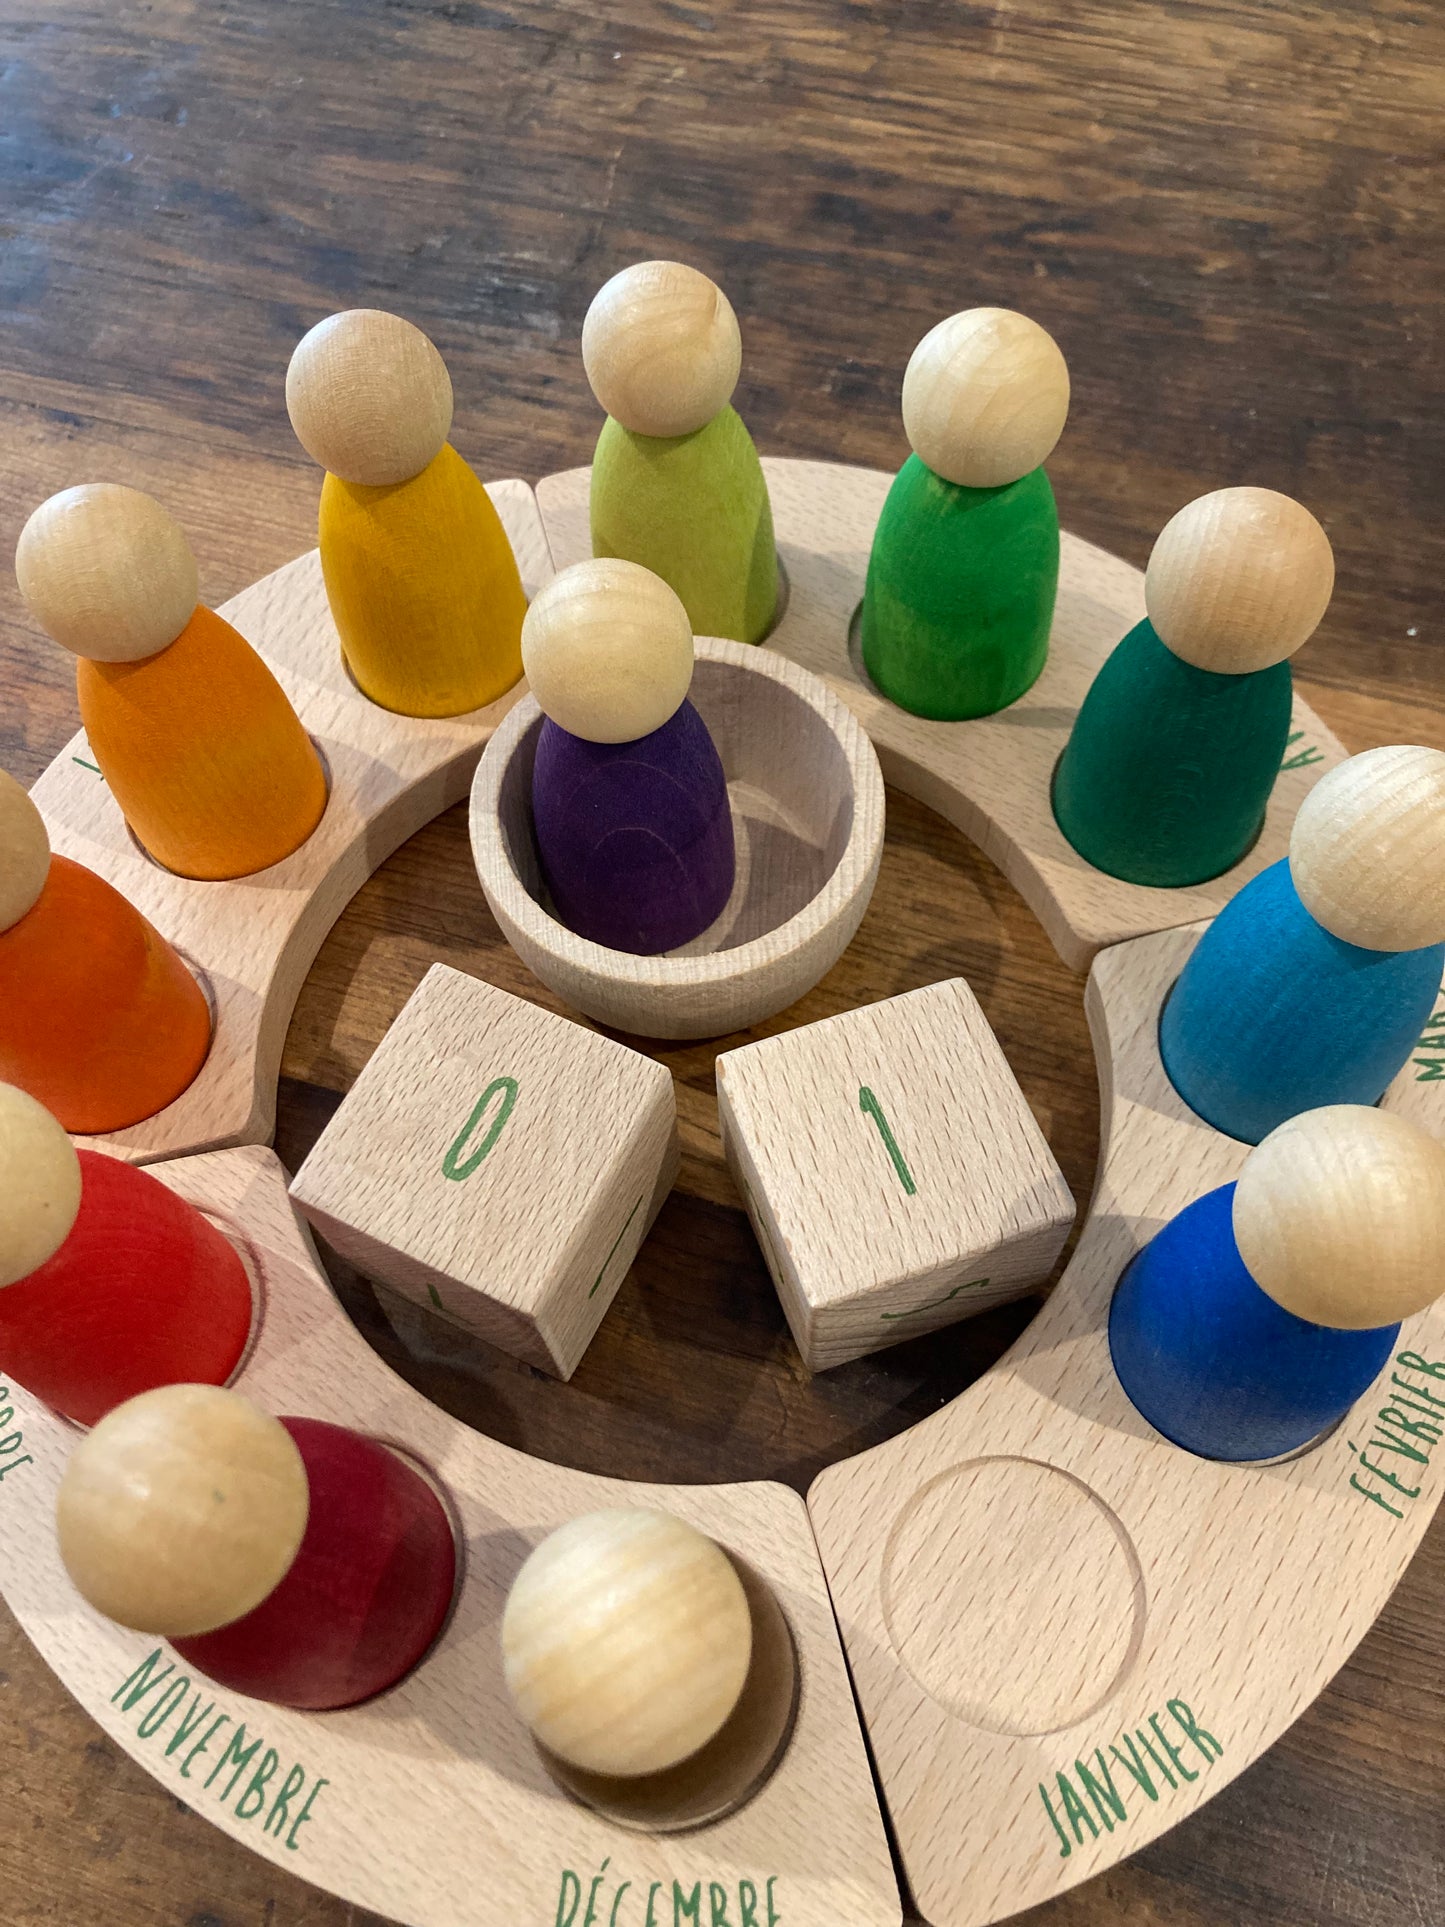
(110, 1284)
(99, 1018)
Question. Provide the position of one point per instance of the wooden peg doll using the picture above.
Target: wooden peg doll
(421, 578)
(194, 735)
(965, 560)
(626, 1641)
(99, 1018)
(1168, 771)
(629, 800)
(110, 1283)
(1251, 1323)
(676, 481)
(287, 1559)
(1313, 984)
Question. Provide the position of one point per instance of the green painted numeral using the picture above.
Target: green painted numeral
(974, 1284)
(869, 1105)
(456, 1167)
(615, 1243)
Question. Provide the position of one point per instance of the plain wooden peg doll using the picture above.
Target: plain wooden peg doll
(1312, 986)
(99, 1018)
(629, 800)
(196, 738)
(287, 1559)
(965, 561)
(656, 1673)
(1251, 1323)
(421, 578)
(110, 1283)
(1168, 771)
(676, 481)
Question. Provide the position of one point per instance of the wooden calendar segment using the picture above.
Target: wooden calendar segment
(251, 941)
(990, 776)
(1065, 1632)
(431, 1805)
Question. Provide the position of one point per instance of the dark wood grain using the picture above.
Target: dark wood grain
(1229, 214)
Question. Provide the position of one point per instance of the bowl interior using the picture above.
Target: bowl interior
(789, 785)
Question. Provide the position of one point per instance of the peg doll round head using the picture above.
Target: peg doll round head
(182, 1510)
(626, 1641)
(369, 397)
(985, 397)
(24, 852)
(1339, 1215)
(1367, 854)
(39, 1185)
(107, 573)
(661, 348)
(607, 650)
(1238, 580)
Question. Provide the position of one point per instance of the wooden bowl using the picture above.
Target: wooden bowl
(807, 801)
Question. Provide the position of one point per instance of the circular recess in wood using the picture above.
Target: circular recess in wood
(1013, 1595)
(807, 802)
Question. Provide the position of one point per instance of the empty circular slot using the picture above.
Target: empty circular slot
(1013, 1595)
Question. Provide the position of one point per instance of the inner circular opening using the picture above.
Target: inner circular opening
(692, 1377)
(789, 786)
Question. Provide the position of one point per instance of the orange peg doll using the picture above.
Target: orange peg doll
(421, 578)
(195, 736)
(99, 1018)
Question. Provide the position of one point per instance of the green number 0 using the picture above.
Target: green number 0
(450, 1166)
(869, 1105)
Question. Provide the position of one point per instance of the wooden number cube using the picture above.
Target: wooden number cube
(892, 1170)
(497, 1163)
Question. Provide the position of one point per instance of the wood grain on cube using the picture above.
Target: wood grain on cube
(498, 1163)
(895, 1176)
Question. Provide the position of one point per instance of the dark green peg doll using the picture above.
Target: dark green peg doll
(1168, 771)
(965, 561)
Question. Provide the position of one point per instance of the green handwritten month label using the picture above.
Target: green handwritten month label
(607, 1901)
(869, 1105)
(12, 1440)
(1169, 1750)
(182, 1720)
(457, 1167)
(1429, 1060)
(1302, 758)
(1401, 1435)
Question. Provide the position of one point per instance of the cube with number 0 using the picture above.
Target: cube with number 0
(497, 1163)
(892, 1170)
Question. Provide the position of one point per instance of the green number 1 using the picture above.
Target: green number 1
(869, 1105)
(450, 1166)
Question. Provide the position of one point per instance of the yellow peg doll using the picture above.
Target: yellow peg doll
(421, 578)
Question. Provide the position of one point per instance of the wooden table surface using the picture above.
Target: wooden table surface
(1227, 213)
